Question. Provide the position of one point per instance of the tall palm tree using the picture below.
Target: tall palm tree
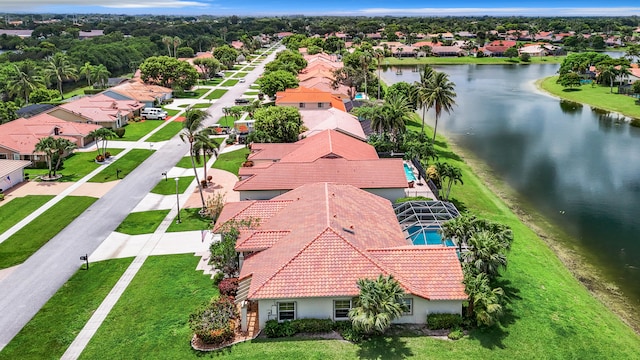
(486, 255)
(380, 301)
(168, 41)
(102, 137)
(440, 96)
(426, 76)
(87, 70)
(24, 80)
(46, 146)
(484, 301)
(61, 146)
(176, 42)
(450, 175)
(379, 55)
(192, 131)
(101, 75)
(365, 61)
(395, 112)
(59, 68)
(204, 146)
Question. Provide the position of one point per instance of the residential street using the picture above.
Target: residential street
(29, 287)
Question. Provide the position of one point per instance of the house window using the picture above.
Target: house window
(341, 309)
(286, 311)
(301, 105)
(409, 303)
(320, 105)
(16, 156)
(3, 156)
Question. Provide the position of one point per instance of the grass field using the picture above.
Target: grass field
(54, 327)
(468, 60)
(144, 222)
(74, 167)
(231, 161)
(216, 94)
(126, 164)
(19, 246)
(230, 82)
(249, 93)
(211, 82)
(596, 96)
(185, 163)
(167, 132)
(195, 94)
(249, 68)
(240, 74)
(196, 105)
(135, 131)
(170, 112)
(227, 121)
(168, 187)
(161, 297)
(190, 220)
(12, 212)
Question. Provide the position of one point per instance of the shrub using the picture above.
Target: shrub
(1, 197)
(120, 132)
(228, 287)
(455, 334)
(313, 326)
(100, 158)
(346, 330)
(274, 329)
(217, 278)
(107, 155)
(635, 122)
(214, 323)
(443, 321)
(230, 141)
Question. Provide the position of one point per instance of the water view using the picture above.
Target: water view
(577, 166)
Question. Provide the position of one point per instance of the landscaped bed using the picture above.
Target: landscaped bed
(144, 222)
(125, 164)
(55, 326)
(21, 245)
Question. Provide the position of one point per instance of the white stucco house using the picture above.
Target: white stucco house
(310, 245)
(12, 172)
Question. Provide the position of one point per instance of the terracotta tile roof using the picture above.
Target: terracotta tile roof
(260, 240)
(324, 84)
(21, 135)
(271, 151)
(137, 90)
(245, 210)
(363, 174)
(319, 245)
(307, 95)
(319, 121)
(101, 107)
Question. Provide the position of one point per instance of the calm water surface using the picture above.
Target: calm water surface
(577, 166)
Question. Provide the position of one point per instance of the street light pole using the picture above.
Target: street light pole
(178, 221)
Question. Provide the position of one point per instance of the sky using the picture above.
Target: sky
(326, 7)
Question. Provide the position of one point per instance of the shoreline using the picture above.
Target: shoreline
(577, 261)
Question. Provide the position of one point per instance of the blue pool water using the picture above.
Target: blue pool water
(409, 173)
(359, 96)
(427, 237)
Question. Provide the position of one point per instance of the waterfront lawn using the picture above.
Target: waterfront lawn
(226, 121)
(144, 222)
(230, 82)
(190, 220)
(167, 132)
(151, 318)
(433, 60)
(75, 166)
(597, 96)
(55, 326)
(26, 241)
(17, 209)
(168, 187)
(231, 161)
(135, 131)
(216, 94)
(126, 164)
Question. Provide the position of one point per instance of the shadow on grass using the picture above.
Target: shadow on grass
(458, 204)
(571, 90)
(388, 347)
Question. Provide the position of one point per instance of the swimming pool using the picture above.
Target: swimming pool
(420, 236)
(359, 96)
(409, 173)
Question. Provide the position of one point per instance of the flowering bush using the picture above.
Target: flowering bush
(214, 324)
(228, 287)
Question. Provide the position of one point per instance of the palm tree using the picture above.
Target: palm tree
(61, 146)
(168, 40)
(101, 75)
(440, 96)
(46, 146)
(191, 133)
(86, 70)
(487, 255)
(59, 68)
(365, 61)
(380, 301)
(205, 146)
(379, 55)
(24, 80)
(426, 76)
(484, 301)
(101, 137)
(395, 112)
(176, 42)
(449, 174)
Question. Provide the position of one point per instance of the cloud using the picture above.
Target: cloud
(17, 5)
(566, 11)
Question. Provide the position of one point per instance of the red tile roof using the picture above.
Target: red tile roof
(363, 174)
(307, 95)
(101, 107)
(327, 236)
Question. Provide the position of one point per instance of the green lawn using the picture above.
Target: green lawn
(230, 82)
(55, 326)
(168, 186)
(195, 94)
(227, 121)
(249, 68)
(240, 74)
(249, 93)
(150, 321)
(214, 81)
(185, 163)
(126, 164)
(75, 167)
(170, 112)
(17, 248)
(196, 105)
(190, 220)
(167, 132)
(144, 222)
(14, 211)
(231, 161)
(468, 60)
(135, 131)
(597, 96)
(216, 94)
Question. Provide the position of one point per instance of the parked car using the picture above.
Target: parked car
(219, 74)
(153, 114)
(241, 80)
(242, 101)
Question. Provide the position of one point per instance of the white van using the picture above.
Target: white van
(153, 114)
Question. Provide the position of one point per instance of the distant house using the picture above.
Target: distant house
(308, 99)
(12, 173)
(33, 109)
(90, 34)
(149, 95)
(309, 247)
(20, 33)
(448, 51)
(98, 109)
(498, 47)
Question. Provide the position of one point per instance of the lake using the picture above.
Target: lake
(577, 166)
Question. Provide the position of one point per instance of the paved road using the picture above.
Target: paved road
(31, 285)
